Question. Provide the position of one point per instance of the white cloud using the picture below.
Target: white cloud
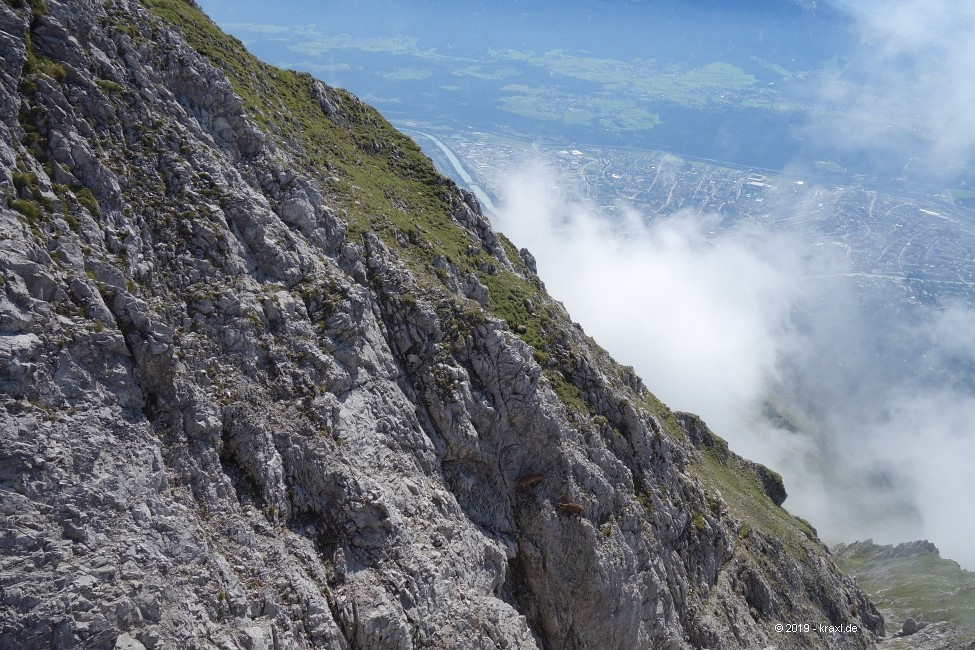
(690, 311)
(271, 29)
(709, 320)
(908, 92)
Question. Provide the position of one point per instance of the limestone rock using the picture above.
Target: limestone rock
(259, 388)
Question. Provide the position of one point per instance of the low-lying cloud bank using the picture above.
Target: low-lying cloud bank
(688, 312)
(733, 325)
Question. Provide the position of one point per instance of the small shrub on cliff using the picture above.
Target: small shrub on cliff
(22, 180)
(87, 199)
(42, 65)
(29, 209)
(110, 87)
(699, 522)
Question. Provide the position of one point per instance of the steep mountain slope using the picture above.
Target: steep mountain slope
(268, 380)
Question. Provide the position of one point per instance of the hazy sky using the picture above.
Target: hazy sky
(913, 69)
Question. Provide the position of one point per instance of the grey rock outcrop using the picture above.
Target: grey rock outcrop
(259, 388)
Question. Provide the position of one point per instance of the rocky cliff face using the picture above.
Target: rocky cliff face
(267, 380)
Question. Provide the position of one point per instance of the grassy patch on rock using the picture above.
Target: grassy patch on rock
(742, 488)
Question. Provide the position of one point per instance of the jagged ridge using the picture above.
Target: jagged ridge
(929, 600)
(269, 379)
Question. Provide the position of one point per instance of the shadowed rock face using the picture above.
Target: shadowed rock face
(259, 388)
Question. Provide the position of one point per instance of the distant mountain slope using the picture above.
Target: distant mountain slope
(928, 600)
(268, 380)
